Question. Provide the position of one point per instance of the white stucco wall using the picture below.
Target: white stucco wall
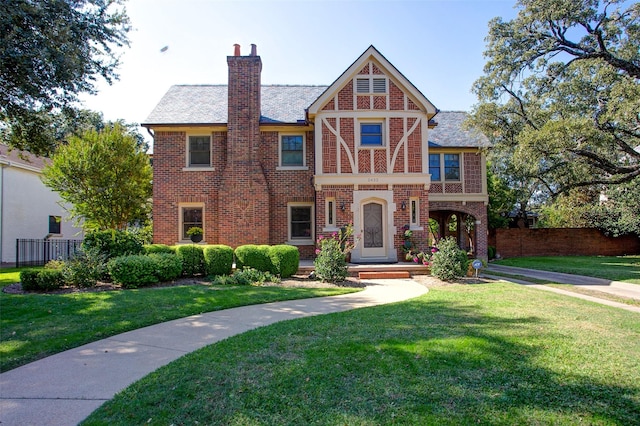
(26, 204)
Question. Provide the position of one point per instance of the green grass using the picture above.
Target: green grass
(498, 354)
(614, 268)
(11, 275)
(33, 326)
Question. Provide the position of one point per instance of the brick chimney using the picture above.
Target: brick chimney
(243, 196)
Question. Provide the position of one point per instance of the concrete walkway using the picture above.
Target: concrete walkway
(615, 288)
(64, 389)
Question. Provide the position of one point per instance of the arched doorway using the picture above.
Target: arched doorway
(456, 224)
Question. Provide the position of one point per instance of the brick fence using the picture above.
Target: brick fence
(563, 242)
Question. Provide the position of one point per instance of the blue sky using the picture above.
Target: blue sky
(436, 44)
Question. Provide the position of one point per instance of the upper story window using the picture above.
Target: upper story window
(371, 134)
(292, 151)
(451, 167)
(434, 167)
(199, 151)
(55, 223)
(371, 85)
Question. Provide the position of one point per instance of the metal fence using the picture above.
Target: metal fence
(39, 252)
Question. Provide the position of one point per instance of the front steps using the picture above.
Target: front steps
(372, 271)
(371, 275)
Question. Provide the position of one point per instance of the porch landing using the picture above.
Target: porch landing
(372, 271)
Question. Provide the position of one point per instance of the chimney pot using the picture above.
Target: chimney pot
(254, 50)
(236, 50)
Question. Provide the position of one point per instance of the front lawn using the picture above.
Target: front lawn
(461, 354)
(614, 268)
(33, 326)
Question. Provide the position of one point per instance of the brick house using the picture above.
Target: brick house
(273, 164)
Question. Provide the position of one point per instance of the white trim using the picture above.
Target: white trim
(301, 241)
(389, 207)
(330, 211)
(373, 179)
(383, 132)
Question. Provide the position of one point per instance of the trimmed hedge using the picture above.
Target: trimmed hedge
(158, 248)
(133, 271)
(43, 279)
(218, 259)
(253, 256)
(285, 260)
(192, 258)
(168, 266)
(112, 243)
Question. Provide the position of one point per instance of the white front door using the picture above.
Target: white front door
(373, 232)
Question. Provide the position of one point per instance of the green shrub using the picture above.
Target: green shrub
(449, 262)
(192, 258)
(218, 259)
(491, 252)
(112, 243)
(285, 260)
(42, 279)
(168, 266)
(330, 263)
(246, 276)
(85, 268)
(158, 248)
(253, 256)
(133, 271)
(54, 264)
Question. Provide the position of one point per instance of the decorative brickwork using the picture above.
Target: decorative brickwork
(364, 160)
(396, 97)
(379, 102)
(364, 102)
(330, 106)
(364, 70)
(375, 70)
(472, 173)
(380, 161)
(345, 97)
(415, 147)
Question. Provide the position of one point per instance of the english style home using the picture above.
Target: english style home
(274, 164)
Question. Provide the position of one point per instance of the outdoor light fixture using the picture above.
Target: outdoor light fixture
(403, 206)
(342, 206)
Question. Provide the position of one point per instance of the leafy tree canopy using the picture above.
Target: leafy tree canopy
(51, 51)
(560, 95)
(105, 176)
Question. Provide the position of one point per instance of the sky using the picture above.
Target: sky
(437, 44)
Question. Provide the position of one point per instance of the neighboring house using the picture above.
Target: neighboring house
(28, 209)
(255, 164)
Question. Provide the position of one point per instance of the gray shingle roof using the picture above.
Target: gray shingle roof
(207, 104)
(451, 133)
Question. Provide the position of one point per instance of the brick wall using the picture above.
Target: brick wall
(563, 242)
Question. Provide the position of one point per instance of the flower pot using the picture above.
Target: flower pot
(196, 238)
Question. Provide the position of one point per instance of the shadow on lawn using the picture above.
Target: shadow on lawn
(416, 362)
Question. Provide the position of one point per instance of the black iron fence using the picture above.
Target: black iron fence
(39, 252)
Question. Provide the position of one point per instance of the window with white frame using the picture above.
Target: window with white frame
(331, 213)
(414, 211)
(199, 154)
(190, 216)
(376, 85)
(371, 133)
(300, 217)
(292, 150)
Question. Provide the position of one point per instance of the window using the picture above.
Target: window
(55, 223)
(434, 166)
(371, 134)
(414, 211)
(301, 223)
(331, 213)
(199, 151)
(371, 85)
(452, 167)
(291, 150)
(191, 216)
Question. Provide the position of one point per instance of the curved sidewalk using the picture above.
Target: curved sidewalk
(65, 388)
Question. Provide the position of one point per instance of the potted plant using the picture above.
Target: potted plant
(195, 233)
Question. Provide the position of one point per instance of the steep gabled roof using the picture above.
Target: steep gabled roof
(373, 54)
(208, 104)
(450, 132)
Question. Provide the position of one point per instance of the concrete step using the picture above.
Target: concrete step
(370, 275)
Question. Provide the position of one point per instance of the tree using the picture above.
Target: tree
(51, 51)
(104, 176)
(561, 93)
(502, 199)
